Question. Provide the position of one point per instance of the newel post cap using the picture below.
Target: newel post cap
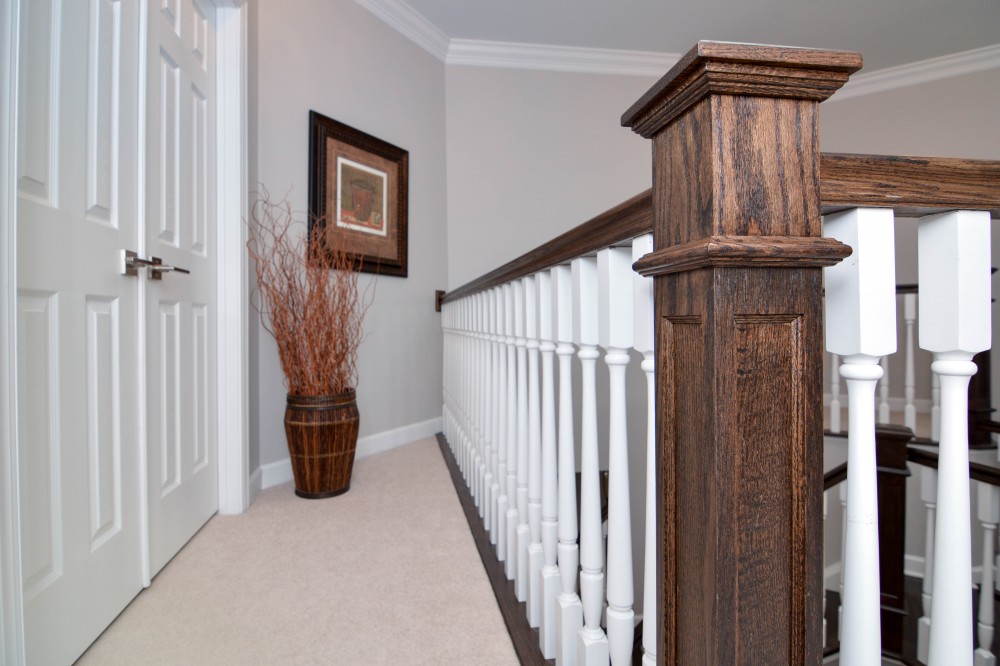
(730, 68)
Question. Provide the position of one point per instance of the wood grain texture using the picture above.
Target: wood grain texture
(524, 638)
(739, 452)
(721, 68)
(739, 378)
(913, 186)
(760, 251)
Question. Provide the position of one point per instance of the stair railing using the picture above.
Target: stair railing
(736, 387)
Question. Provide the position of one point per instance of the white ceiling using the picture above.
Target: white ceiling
(886, 32)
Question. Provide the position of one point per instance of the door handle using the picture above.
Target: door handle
(131, 263)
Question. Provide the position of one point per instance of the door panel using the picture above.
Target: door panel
(180, 228)
(77, 349)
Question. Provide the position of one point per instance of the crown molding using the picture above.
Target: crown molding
(399, 15)
(411, 24)
(923, 71)
(510, 55)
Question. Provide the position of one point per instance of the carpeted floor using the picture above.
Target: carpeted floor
(385, 574)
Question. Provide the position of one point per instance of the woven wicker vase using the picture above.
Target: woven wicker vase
(322, 433)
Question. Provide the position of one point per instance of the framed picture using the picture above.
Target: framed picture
(358, 194)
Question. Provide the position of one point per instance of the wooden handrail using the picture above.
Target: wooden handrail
(977, 471)
(911, 186)
(625, 221)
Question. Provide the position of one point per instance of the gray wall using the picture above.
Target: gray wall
(337, 58)
(532, 154)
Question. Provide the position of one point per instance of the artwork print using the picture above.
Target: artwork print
(358, 195)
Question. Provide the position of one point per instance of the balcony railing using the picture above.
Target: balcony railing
(713, 283)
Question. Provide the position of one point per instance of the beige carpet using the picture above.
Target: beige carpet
(385, 574)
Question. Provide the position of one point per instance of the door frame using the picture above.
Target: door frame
(231, 320)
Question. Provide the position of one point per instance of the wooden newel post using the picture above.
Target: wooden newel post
(737, 258)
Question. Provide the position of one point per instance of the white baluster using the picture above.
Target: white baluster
(909, 317)
(495, 414)
(464, 393)
(861, 327)
(592, 646)
(510, 521)
(548, 578)
(642, 325)
(479, 404)
(835, 406)
(615, 313)
(954, 295)
(935, 407)
(842, 495)
(884, 415)
(521, 532)
(487, 410)
(501, 426)
(823, 590)
(928, 495)
(989, 515)
(534, 549)
(569, 608)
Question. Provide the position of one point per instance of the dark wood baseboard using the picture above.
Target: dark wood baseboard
(524, 638)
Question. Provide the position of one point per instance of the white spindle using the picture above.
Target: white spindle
(549, 576)
(988, 510)
(510, 522)
(861, 327)
(910, 408)
(534, 550)
(835, 406)
(842, 496)
(935, 407)
(615, 313)
(884, 412)
(826, 497)
(928, 495)
(502, 436)
(569, 609)
(521, 533)
(488, 406)
(593, 644)
(480, 389)
(496, 414)
(644, 336)
(954, 297)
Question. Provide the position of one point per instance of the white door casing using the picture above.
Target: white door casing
(230, 324)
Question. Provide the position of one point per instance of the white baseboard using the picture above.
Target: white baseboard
(280, 471)
(255, 484)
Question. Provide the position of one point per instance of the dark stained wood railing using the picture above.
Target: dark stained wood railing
(911, 186)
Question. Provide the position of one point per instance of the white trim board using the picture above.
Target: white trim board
(410, 23)
(476, 53)
(923, 71)
(280, 471)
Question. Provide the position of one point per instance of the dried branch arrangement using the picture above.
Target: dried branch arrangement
(309, 299)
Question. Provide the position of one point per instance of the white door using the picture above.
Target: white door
(117, 450)
(78, 406)
(180, 313)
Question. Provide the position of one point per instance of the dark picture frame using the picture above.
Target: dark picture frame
(358, 191)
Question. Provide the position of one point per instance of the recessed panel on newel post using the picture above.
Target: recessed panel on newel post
(737, 258)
